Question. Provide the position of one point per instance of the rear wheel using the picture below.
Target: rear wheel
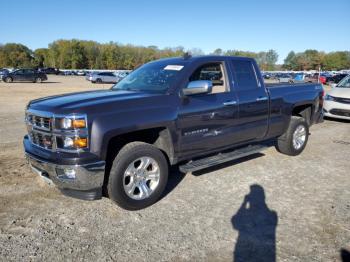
(138, 176)
(8, 79)
(38, 80)
(294, 140)
(98, 80)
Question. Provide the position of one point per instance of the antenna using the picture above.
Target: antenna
(187, 55)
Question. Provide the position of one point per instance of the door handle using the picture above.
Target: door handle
(230, 103)
(261, 98)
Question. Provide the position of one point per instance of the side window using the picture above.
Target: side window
(213, 72)
(245, 75)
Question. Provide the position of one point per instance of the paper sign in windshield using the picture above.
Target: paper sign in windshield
(173, 67)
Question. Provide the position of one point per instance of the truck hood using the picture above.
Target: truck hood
(340, 92)
(83, 101)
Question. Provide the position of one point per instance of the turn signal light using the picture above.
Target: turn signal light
(79, 123)
(80, 142)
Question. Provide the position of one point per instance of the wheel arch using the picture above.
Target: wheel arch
(305, 111)
(160, 137)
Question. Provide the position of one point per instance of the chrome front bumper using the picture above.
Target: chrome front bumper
(87, 177)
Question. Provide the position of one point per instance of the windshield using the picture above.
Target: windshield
(153, 77)
(345, 82)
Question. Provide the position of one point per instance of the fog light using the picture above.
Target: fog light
(66, 173)
(69, 172)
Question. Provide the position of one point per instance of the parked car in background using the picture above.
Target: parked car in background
(49, 70)
(103, 77)
(80, 73)
(336, 78)
(266, 75)
(285, 78)
(315, 79)
(337, 101)
(24, 75)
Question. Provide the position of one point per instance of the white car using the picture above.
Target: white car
(103, 77)
(337, 101)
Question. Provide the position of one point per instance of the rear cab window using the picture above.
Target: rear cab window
(245, 74)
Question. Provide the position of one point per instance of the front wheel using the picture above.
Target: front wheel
(294, 140)
(8, 80)
(138, 176)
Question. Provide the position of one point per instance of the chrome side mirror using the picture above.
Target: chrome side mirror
(198, 87)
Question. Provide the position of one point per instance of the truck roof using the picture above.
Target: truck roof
(201, 58)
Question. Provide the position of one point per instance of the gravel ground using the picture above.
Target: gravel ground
(213, 215)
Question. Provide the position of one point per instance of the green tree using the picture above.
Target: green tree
(218, 51)
(41, 57)
(290, 62)
(271, 59)
(15, 55)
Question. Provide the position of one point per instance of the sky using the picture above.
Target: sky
(241, 25)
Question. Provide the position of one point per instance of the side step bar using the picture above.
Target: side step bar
(221, 158)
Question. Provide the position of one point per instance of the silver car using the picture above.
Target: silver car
(103, 77)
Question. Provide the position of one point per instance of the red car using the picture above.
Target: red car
(314, 79)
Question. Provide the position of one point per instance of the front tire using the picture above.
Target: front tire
(294, 140)
(8, 80)
(138, 176)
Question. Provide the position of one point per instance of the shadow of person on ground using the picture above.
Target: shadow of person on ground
(256, 225)
(345, 255)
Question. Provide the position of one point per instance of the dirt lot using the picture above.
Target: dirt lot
(305, 215)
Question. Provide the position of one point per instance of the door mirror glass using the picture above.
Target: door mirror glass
(198, 87)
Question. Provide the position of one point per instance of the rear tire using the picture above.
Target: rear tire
(126, 183)
(98, 81)
(294, 140)
(38, 80)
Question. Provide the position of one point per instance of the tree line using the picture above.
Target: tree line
(313, 59)
(80, 54)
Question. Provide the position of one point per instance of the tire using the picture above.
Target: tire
(38, 80)
(8, 79)
(294, 140)
(98, 81)
(123, 187)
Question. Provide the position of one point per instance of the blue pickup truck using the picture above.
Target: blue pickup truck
(193, 112)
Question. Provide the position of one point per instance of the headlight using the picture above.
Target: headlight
(69, 143)
(71, 132)
(70, 122)
(329, 98)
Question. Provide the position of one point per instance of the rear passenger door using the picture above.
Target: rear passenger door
(253, 100)
(28, 75)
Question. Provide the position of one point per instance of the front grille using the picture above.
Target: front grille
(41, 139)
(340, 112)
(39, 130)
(40, 122)
(342, 100)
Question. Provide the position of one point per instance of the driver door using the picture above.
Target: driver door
(205, 120)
